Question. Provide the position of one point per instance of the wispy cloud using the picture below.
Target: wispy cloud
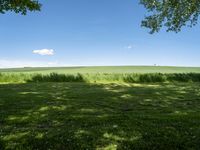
(44, 52)
(7, 63)
(129, 47)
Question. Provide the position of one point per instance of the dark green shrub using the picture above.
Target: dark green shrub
(55, 77)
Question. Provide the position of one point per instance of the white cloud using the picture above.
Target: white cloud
(44, 52)
(129, 47)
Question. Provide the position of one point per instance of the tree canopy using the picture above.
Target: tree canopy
(172, 14)
(19, 6)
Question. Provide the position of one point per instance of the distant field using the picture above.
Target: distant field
(108, 69)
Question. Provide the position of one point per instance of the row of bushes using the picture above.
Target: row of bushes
(101, 77)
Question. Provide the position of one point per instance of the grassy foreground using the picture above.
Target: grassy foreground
(111, 116)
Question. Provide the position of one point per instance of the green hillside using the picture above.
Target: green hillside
(107, 69)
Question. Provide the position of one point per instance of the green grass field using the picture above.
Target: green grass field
(109, 69)
(100, 115)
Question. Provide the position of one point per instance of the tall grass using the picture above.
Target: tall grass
(14, 77)
(99, 77)
(54, 77)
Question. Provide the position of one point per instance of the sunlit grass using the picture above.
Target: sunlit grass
(100, 77)
(104, 69)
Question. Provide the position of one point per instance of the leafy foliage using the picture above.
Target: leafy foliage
(19, 6)
(173, 14)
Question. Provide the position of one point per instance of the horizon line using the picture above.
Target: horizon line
(76, 66)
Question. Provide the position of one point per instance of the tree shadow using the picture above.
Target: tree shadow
(99, 116)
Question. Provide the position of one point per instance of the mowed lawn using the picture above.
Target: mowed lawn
(73, 116)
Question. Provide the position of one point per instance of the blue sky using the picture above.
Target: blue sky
(92, 32)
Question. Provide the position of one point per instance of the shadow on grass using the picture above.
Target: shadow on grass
(55, 77)
(99, 116)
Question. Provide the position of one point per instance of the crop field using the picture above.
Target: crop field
(102, 108)
(106, 69)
